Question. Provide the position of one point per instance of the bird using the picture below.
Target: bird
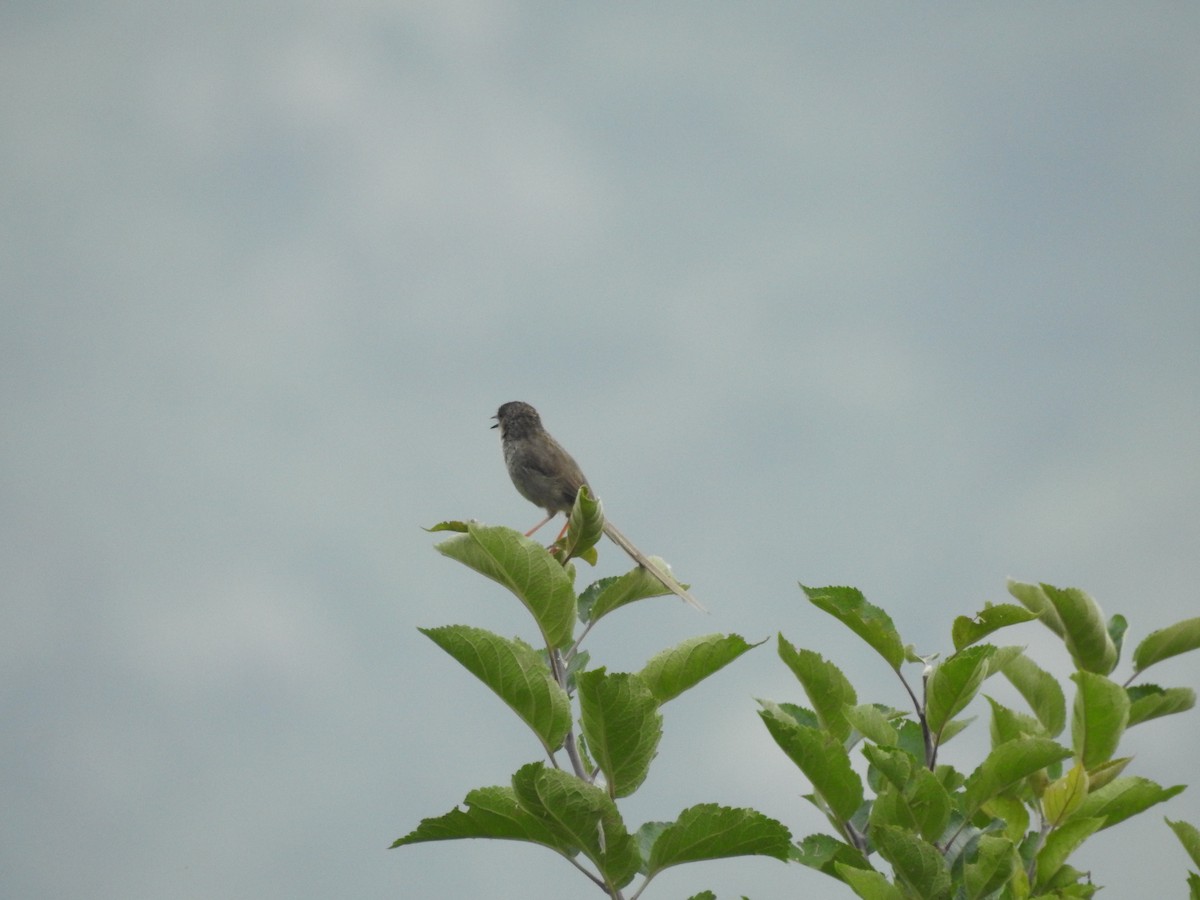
(547, 475)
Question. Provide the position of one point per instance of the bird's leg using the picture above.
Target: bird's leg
(530, 532)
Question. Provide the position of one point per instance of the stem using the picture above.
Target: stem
(926, 734)
(599, 881)
(855, 837)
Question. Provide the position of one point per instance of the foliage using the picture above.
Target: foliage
(599, 730)
(903, 825)
(1007, 829)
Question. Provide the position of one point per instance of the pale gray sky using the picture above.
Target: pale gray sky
(899, 297)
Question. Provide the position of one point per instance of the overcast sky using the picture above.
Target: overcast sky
(902, 297)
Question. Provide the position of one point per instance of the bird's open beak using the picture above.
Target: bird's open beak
(497, 425)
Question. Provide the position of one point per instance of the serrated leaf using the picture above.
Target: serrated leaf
(1165, 643)
(1149, 701)
(1034, 599)
(967, 631)
(671, 672)
(912, 741)
(710, 831)
(915, 799)
(1041, 691)
(492, 812)
(645, 837)
(1011, 812)
(1099, 776)
(952, 728)
(917, 863)
(1002, 657)
(516, 673)
(1086, 637)
(1124, 797)
(954, 683)
(1117, 626)
(584, 815)
(873, 723)
(449, 525)
(1008, 724)
(636, 584)
(621, 722)
(1098, 717)
(1006, 765)
(525, 568)
(585, 526)
(869, 622)
(824, 852)
(827, 688)
(821, 757)
(995, 862)
(1065, 795)
(1069, 883)
(1189, 836)
(1060, 844)
(867, 883)
(801, 715)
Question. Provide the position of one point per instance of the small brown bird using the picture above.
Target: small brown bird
(547, 476)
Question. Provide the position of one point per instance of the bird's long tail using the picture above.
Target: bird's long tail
(652, 567)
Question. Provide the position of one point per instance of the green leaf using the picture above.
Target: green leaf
(801, 715)
(995, 862)
(1061, 843)
(709, 831)
(1149, 701)
(1099, 776)
(517, 674)
(1098, 717)
(1034, 599)
(868, 884)
(1165, 643)
(1041, 691)
(636, 584)
(870, 623)
(825, 853)
(821, 757)
(917, 863)
(449, 525)
(584, 815)
(671, 672)
(1065, 795)
(1189, 836)
(954, 683)
(1087, 638)
(1011, 812)
(827, 688)
(1009, 725)
(1006, 765)
(872, 721)
(492, 812)
(1117, 626)
(620, 719)
(1069, 882)
(585, 526)
(1124, 797)
(952, 728)
(916, 799)
(968, 631)
(525, 568)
